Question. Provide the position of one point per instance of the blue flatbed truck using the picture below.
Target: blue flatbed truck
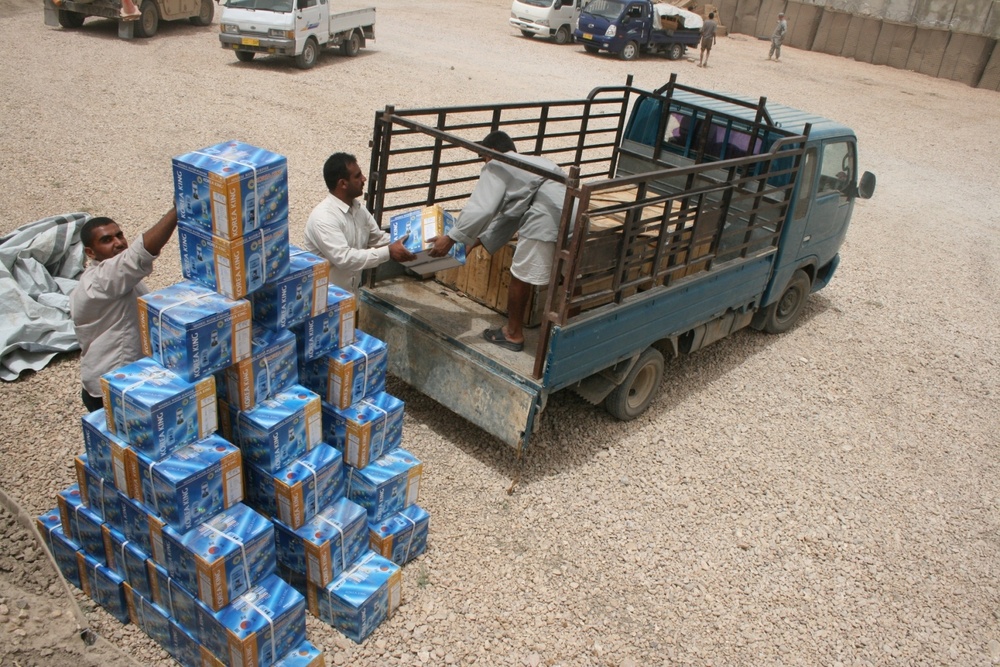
(689, 215)
(627, 28)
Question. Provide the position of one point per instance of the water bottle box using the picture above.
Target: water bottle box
(402, 536)
(361, 598)
(421, 225)
(103, 585)
(100, 444)
(387, 485)
(271, 367)
(231, 189)
(136, 519)
(64, 552)
(234, 267)
(185, 649)
(79, 523)
(128, 559)
(266, 622)
(98, 494)
(299, 294)
(193, 331)
(299, 490)
(324, 333)
(364, 431)
(191, 485)
(182, 605)
(223, 557)
(156, 411)
(304, 655)
(280, 429)
(326, 545)
(46, 523)
(149, 617)
(349, 374)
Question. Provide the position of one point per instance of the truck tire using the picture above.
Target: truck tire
(591, 49)
(149, 19)
(525, 33)
(351, 45)
(245, 56)
(781, 315)
(630, 51)
(310, 52)
(631, 398)
(70, 20)
(563, 35)
(675, 52)
(205, 13)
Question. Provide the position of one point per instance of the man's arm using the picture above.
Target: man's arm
(379, 237)
(157, 236)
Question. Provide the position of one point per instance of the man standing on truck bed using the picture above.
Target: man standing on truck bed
(508, 200)
(342, 231)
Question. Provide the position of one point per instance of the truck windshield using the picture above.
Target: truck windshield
(282, 6)
(537, 3)
(606, 9)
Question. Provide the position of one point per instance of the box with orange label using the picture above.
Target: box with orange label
(234, 267)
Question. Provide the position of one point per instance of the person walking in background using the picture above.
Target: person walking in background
(777, 37)
(707, 39)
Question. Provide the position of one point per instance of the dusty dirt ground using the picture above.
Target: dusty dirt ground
(830, 496)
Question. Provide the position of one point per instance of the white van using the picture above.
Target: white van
(548, 18)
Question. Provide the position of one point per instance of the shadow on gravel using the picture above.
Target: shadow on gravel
(96, 27)
(327, 58)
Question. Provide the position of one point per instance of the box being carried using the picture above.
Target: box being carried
(231, 189)
(351, 373)
(386, 485)
(366, 430)
(300, 489)
(326, 545)
(234, 267)
(361, 598)
(280, 429)
(421, 225)
(271, 367)
(401, 537)
(299, 294)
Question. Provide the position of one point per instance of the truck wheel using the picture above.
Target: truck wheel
(310, 52)
(245, 56)
(783, 313)
(563, 35)
(205, 13)
(149, 19)
(525, 33)
(591, 49)
(351, 45)
(70, 19)
(631, 398)
(675, 52)
(630, 51)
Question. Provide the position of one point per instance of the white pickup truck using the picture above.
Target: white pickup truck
(298, 28)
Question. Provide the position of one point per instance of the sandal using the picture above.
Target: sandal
(496, 337)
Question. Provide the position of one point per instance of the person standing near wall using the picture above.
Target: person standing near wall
(707, 39)
(777, 37)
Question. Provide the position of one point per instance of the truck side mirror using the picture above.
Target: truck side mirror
(866, 188)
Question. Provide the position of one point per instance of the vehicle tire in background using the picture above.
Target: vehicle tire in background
(781, 315)
(149, 19)
(631, 398)
(591, 49)
(70, 19)
(245, 56)
(563, 35)
(630, 51)
(351, 45)
(205, 13)
(675, 52)
(310, 52)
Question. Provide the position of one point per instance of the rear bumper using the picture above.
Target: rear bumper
(281, 47)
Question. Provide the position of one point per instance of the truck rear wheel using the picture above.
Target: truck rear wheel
(630, 51)
(310, 52)
(245, 56)
(675, 52)
(70, 19)
(781, 315)
(149, 19)
(563, 35)
(351, 45)
(205, 13)
(631, 398)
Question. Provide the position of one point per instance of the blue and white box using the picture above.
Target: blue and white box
(234, 267)
(305, 655)
(280, 429)
(271, 367)
(327, 544)
(98, 494)
(420, 226)
(79, 523)
(300, 489)
(402, 536)
(150, 617)
(127, 559)
(46, 523)
(64, 552)
(386, 485)
(136, 518)
(100, 445)
(324, 333)
(193, 331)
(299, 294)
(364, 431)
(155, 410)
(103, 585)
(361, 598)
(349, 374)
(231, 189)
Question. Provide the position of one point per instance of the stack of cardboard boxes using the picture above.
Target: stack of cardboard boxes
(212, 543)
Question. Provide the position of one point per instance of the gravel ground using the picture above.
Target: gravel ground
(830, 496)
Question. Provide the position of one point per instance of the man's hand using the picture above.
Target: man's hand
(399, 253)
(440, 245)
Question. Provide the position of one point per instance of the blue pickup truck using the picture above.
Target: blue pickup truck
(627, 28)
(689, 215)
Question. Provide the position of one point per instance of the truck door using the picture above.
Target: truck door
(830, 210)
(311, 18)
(635, 22)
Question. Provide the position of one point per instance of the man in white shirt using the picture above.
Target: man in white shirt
(104, 304)
(341, 230)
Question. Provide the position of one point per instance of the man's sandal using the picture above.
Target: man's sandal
(496, 337)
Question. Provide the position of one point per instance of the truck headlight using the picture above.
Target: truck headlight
(286, 34)
(229, 27)
(611, 31)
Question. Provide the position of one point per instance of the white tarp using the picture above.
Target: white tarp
(691, 21)
(40, 264)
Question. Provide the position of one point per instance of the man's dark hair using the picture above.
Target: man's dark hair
(335, 169)
(498, 141)
(87, 231)
(711, 15)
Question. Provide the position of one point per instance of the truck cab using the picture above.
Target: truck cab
(546, 18)
(627, 28)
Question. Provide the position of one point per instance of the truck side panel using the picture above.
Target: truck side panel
(349, 20)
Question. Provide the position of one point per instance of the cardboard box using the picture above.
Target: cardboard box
(190, 486)
(149, 617)
(136, 519)
(334, 328)
(156, 411)
(366, 430)
(326, 545)
(64, 552)
(350, 374)
(305, 655)
(98, 494)
(193, 331)
(79, 523)
(386, 485)
(103, 586)
(299, 294)
(421, 225)
(299, 490)
(184, 608)
(127, 559)
(361, 598)
(271, 367)
(99, 444)
(46, 523)
(280, 429)
(234, 267)
(402, 536)
(231, 189)
(221, 558)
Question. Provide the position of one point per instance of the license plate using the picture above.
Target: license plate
(246, 41)
(587, 36)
